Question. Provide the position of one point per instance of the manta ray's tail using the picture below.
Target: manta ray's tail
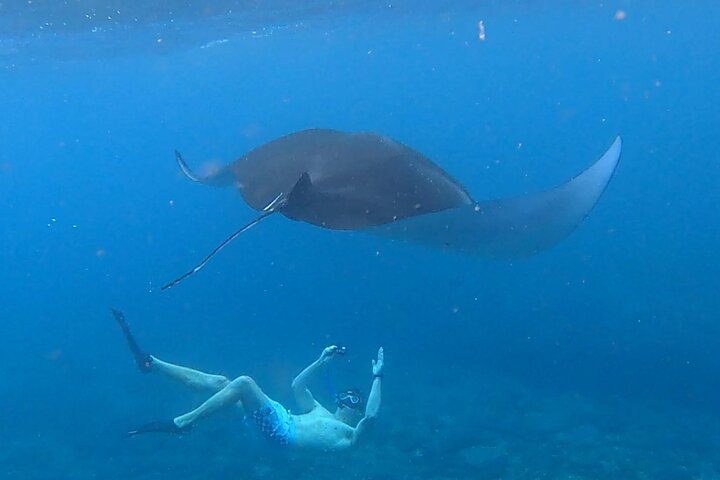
(272, 207)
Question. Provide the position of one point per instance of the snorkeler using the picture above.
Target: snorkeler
(314, 428)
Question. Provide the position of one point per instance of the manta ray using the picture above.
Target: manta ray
(364, 181)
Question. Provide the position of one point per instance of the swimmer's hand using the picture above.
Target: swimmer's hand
(379, 364)
(331, 352)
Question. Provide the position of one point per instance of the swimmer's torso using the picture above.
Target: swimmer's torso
(320, 430)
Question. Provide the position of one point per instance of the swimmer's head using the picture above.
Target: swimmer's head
(351, 406)
(350, 398)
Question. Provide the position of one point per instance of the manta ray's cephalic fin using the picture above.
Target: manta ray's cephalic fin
(222, 178)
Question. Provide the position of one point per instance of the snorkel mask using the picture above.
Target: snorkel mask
(351, 398)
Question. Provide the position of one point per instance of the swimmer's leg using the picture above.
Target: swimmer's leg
(243, 390)
(187, 376)
(149, 363)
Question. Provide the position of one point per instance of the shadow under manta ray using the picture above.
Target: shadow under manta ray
(364, 181)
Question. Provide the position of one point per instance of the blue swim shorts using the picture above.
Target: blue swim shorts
(274, 422)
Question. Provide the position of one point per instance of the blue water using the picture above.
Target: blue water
(596, 359)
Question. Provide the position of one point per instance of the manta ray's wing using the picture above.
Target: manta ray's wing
(511, 227)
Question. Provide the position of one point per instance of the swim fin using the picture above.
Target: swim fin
(142, 359)
(160, 426)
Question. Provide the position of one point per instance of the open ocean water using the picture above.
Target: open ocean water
(597, 359)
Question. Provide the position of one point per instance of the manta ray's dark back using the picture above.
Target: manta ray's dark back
(340, 180)
(364, 181)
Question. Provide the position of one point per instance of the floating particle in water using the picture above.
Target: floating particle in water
(481, 31)
(54, 355)
(620, 15)
(215, 43)
(100, 252)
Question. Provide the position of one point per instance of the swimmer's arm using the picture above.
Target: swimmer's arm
(303, 396)
(371, 411)
(361, 430)
(373, 402)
